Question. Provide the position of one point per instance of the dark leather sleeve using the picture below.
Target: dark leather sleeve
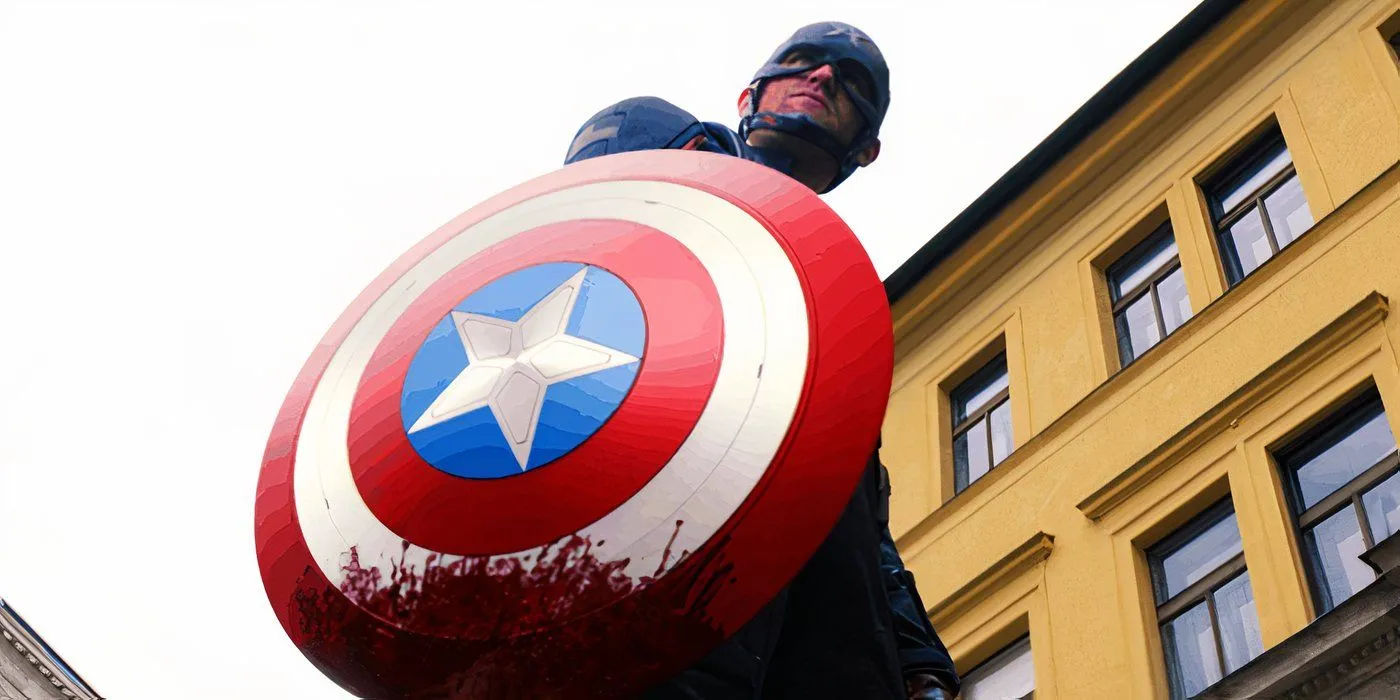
(920, 649)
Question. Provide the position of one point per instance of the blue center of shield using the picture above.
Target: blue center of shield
(523, 370)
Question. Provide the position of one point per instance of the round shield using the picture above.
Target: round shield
(577, 436)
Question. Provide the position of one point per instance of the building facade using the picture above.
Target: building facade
(30, 669)
(1143, 427)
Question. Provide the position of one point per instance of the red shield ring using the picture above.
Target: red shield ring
(577, 436)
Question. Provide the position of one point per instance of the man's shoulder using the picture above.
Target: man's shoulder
(639, 124)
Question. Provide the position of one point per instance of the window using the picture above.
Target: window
(1205, 605)
(1390, 34)
(1007, 676)
(1346, 494)
(981, 423)
(1390, 29)
(1149, 294)
(1257, 205)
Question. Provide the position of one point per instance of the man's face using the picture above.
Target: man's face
(818, 94)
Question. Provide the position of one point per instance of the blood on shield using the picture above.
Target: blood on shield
(576, 436)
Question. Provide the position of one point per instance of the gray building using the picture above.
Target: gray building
(30, 669)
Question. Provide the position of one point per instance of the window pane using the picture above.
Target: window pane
(1137, 328)
(1131, 272)
(1235, 191)
(1355, 453)
(1189, 643)
(1336, 543)
(1198, 557)
(977, 392)
(1001, 432)
(1382, 504)
(1249, 243)
(1009, 674)
(1239, 622)
(1176, 306)
(1288, 211)
(970, 459)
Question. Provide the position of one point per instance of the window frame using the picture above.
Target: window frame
(1330, 430)
(1200, 591)
(983, 413)
(1251, 156)
(1148, 286)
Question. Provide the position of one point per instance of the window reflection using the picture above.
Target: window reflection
(981, 423)
(1205, 603)
(1257, 205)
(1148, 292)
(1346, 495)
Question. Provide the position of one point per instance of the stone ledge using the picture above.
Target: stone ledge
(1351, 653)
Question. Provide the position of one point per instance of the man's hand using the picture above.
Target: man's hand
(695, 143)
(922, 686)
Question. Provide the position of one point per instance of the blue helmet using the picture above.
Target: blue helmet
(645, 122)
(860, 70)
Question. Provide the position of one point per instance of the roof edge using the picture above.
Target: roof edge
(1079, 126)
(17, 631)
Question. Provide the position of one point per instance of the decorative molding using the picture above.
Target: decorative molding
(29, 649)
(38, 664)
(1349, 653)
(1021, 559)
(1384, 557)
(1363, 664)
(1371, 311)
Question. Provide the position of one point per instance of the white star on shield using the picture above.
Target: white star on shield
(510, 364)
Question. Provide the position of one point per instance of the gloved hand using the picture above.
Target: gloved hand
(923, 686)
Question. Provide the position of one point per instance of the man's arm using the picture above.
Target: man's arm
(921, 652)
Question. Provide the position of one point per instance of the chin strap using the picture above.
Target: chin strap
(798, 125)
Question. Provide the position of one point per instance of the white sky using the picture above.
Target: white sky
(190, 192)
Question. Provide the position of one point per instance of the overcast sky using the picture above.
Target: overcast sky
(190, 192)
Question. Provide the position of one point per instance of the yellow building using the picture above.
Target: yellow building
(1142, 428)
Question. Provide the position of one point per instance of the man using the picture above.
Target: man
(850, 626)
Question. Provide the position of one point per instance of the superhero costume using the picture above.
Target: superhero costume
(851, 624)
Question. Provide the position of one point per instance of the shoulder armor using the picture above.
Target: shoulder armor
(636, 124)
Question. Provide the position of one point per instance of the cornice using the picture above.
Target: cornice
(1023, 558)
(1351, 324)
(1075, 176)
(30, 650)
(1363, 664)
(1107, 396)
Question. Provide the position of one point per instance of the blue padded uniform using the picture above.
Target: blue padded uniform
(850, 626)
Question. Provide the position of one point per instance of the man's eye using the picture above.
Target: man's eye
(797, 58)
(863, 89)
(854, 76)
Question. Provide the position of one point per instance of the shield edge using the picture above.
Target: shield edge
(826, 255)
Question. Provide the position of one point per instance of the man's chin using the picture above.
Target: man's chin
(790, 144)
